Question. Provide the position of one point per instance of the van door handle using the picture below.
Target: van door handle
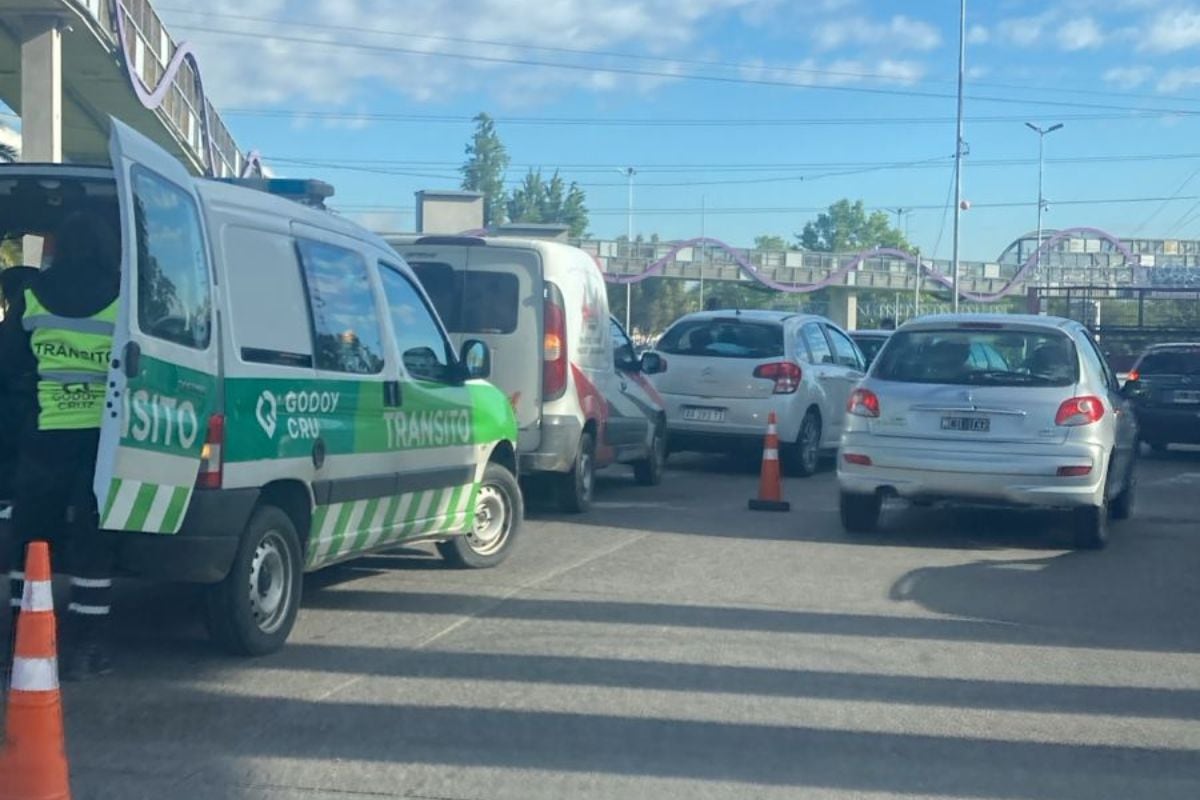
(133, 359)
(392, 397)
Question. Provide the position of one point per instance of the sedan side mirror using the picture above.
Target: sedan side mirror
(476, 359)
(653, 364)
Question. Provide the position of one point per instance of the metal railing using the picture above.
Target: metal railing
(152, 57)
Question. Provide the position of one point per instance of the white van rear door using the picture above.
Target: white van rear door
(492, 293)
(162, 384)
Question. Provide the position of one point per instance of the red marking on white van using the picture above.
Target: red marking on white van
(594, 406)
(641, 381)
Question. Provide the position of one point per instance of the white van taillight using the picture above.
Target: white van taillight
(554, 345)
(786, 374)
(212, 462)
(1079, 411)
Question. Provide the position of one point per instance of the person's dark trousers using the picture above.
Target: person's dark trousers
(54, 502)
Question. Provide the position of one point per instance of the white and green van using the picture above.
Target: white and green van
(282, 394)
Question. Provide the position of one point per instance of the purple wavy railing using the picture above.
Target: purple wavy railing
(836, 277)
(152, 99)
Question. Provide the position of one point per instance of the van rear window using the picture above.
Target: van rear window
(472, 301)
(979, 357)
(723, 338)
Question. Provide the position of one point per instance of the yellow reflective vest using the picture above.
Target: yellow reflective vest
(73, 354)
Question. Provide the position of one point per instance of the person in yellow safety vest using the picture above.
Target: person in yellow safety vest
(58, 358)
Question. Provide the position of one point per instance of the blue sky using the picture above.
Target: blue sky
(873, 81)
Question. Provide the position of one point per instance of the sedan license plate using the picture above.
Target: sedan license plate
(967, 424)
(701, 414)
(1186, 397)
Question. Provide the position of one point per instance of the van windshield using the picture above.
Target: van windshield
(979, 357)
(472, 301)
(724, 338)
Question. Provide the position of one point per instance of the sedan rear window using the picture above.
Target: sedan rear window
(475, 301)
(1170, 362)
(979, 358)
(723, 338)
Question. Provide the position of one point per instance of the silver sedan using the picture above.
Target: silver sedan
(992, 409)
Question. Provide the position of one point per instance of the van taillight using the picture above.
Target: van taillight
(786, 375)
(212, 462)
(554, 345)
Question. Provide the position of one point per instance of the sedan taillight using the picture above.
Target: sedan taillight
(786, 375)
(1079, 411)
(863, 403)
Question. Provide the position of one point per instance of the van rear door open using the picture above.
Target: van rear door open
(492, 293)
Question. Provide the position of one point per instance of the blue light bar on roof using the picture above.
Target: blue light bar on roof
(309, 191)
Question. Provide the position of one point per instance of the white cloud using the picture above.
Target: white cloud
(1081, 33)
(900, 33)
(1128, 77)
(839, 72)
(1179, 79)
(240, 71)
(978, 35)
(1173, 30)
(1023, 31)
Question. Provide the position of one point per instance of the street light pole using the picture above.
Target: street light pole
(958, 142)
(629, 172)
(1041, 198)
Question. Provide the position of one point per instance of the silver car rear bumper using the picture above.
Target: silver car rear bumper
(1001, 473)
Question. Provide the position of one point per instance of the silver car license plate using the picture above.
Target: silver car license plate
(968, 424)
(1186, 397)
(703, 414)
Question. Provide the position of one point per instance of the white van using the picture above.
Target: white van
(282, 395)
(579, 389)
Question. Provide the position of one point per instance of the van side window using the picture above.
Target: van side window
(624, 355)
(345, 324)
(174, 298)
(423, 349)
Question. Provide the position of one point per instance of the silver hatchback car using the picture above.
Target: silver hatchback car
(993, 409)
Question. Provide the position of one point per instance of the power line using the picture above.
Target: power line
(640, 122)
(723, 79)
(733, 65)
(690, 211)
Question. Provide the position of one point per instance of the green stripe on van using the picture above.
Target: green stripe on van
(364, 528)
(141, 507)
(179, 503)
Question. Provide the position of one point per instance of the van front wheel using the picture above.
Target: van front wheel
(497, 519)
(252, 611)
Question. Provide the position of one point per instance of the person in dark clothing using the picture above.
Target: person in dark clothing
(56, 363)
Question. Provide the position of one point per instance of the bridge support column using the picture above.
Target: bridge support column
(843, 307)
(41, 101)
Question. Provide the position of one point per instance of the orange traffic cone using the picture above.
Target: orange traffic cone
(33, 764)
(770, 487)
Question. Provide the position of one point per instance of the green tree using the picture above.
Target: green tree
(540, 201)
(484, 169)
(846, 227)
(770, 242)
(8, 152)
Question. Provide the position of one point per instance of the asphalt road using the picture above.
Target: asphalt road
(673, 644)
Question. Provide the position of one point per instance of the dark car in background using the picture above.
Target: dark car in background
(870, 342)
(1164, 386)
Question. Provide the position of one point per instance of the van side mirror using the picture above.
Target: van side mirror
(476, 359)
(653, 364)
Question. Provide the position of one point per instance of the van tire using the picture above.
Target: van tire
(268, 560)
(575, 488)
(649, 470)
(495, 523)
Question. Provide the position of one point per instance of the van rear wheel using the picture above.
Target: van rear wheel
(575, 488)
(499, 512)
(252, 611)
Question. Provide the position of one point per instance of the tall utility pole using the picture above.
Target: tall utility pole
(1041, 132)
(629, 172)
(958, 139)
(703, 248)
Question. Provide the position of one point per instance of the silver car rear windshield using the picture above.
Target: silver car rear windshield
(979, 357)
(723, 338)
